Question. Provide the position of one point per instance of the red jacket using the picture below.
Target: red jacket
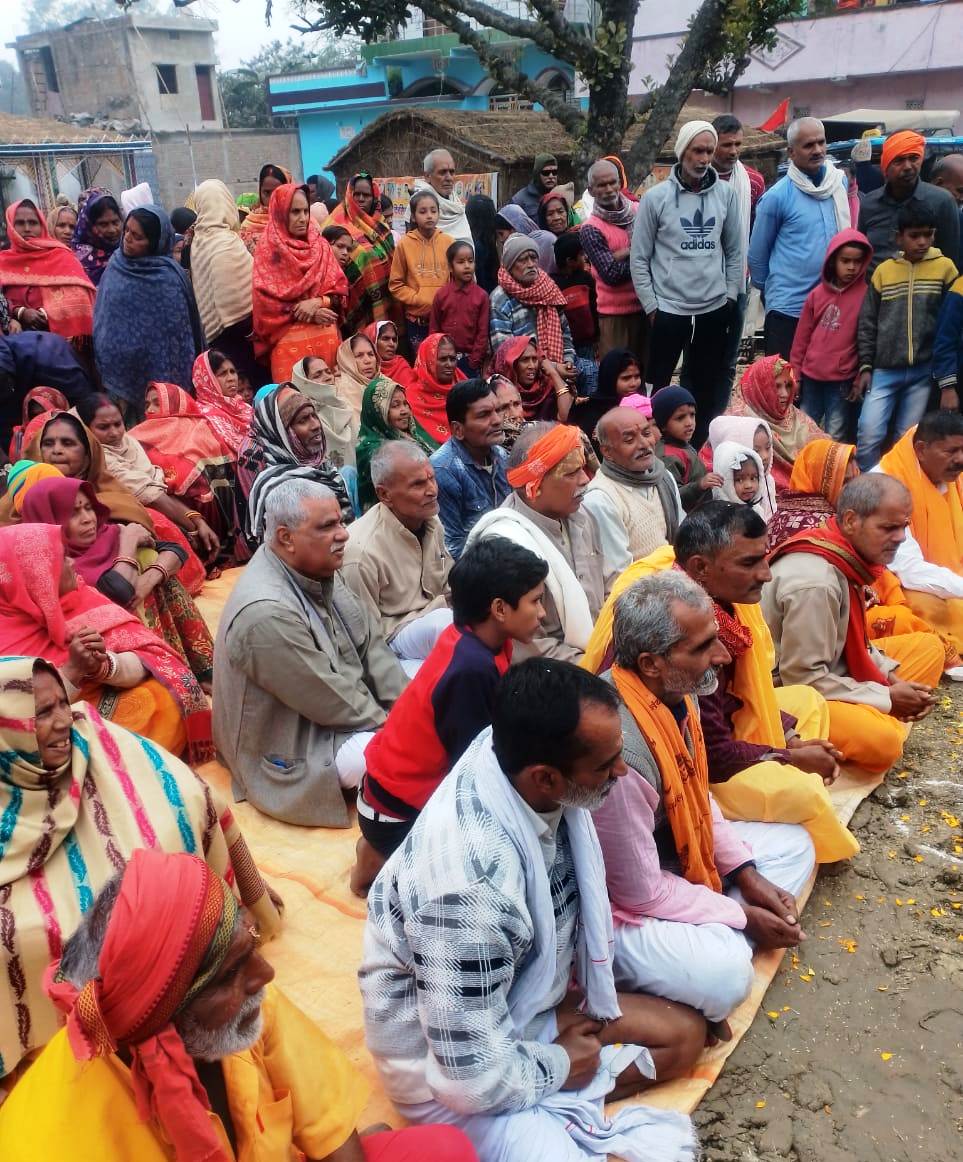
(825, 345)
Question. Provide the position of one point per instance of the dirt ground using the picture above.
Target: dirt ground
(857, 1052)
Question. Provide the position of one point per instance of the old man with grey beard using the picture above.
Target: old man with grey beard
(606, 238)
(633, 498)
(691, 893)
(546, 469)
(302, 674)
(177, 1044)
(439, 177)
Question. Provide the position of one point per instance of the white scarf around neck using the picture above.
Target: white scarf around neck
(832, 186)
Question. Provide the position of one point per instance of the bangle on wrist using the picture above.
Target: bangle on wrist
(192, 515)
(564, 391)
(134, 564)
(160, 569)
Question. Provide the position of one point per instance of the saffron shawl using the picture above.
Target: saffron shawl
(66, 291)
(547, 301)
(288, 270)
(178, 436)
(937, 521)
(72, 829)
(91, 252)
(814, 487)
(146, 325)
(829, 544)
(36, 621)
(369, 266)
(427, 396)
(685, 776)
(375, 429)
(791, 428)
(221, 265)
(229, 418)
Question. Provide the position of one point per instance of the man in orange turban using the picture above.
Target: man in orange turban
(544, 514)
(900, 162)
(177, 1046)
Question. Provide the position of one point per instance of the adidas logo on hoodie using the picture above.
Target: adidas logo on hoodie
(698, 232)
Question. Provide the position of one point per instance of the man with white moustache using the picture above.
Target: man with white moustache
(302, 674)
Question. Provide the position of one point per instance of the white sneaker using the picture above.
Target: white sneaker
(955, 674)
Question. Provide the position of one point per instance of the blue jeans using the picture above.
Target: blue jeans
(825, 402)
(896, 399)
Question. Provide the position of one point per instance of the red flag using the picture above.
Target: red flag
(778, 118)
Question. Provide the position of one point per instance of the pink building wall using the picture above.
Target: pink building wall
(873, 57)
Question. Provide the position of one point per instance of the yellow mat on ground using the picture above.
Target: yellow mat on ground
(318, 952)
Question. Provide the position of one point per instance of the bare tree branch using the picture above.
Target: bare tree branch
(578, 44)
(704, 32)
(568, 116)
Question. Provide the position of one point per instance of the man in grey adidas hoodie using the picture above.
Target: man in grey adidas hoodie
(688, 265)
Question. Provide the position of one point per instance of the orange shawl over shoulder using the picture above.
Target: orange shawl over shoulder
(65, 290)
(685, 777)
(820, 469)
(937, 521)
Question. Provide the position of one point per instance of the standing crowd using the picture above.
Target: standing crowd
(577, 620)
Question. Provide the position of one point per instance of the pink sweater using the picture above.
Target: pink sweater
(824, 348)
(638, 886)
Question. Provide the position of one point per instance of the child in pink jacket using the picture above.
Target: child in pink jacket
(824, 356)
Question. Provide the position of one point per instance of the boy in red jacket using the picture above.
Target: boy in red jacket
(824, 357)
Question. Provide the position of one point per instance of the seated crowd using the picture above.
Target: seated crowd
(583, 678)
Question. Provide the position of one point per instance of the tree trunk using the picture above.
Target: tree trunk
(608, 114)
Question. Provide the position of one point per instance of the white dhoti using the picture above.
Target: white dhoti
(571, 1127)
(709, 966)
(415, 640)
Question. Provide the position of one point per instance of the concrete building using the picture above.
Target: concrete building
(426, 66)
(837, 58)
(155, 70)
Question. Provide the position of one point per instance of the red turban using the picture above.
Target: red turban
(899, 144)
(168, 934)
(546, 453)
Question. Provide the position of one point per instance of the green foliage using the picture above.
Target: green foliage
(243, 90)
(749, 25)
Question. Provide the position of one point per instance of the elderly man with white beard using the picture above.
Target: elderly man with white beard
(178, 1046)
(691, 893)
(546, 469)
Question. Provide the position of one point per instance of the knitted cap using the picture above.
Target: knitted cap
(693, 129)
(515, 246)
(541, 161)
(667, 399)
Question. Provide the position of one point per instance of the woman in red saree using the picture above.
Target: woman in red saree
(108, 657)
(118, 563)
(45, 285)
(199, 467)
(435, 373)
(35, 403)
(216, 391)
(299, 290)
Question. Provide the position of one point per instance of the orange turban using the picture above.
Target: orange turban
(899, 144)
(546, 453)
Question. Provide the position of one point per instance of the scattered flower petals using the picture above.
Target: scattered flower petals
(886, 1056)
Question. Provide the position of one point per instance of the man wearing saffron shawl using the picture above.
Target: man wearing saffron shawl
(816, 609)
(666, 846)
(178, 1046)
(929, 563)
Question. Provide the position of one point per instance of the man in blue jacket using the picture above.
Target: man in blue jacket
(795, 221)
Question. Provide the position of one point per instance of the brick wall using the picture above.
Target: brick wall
(233, 155)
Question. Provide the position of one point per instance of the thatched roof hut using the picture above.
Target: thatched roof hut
(395, 144)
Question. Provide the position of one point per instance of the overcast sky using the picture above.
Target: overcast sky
(242, 32)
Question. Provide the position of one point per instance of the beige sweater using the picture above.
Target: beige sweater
(806, 605)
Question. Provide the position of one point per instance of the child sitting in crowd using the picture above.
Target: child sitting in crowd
(897, 326)
(674, 413)
(824, 357)
(419, 267)
(743, 478)
(341, 243)
(496, 599)
(460, 310)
